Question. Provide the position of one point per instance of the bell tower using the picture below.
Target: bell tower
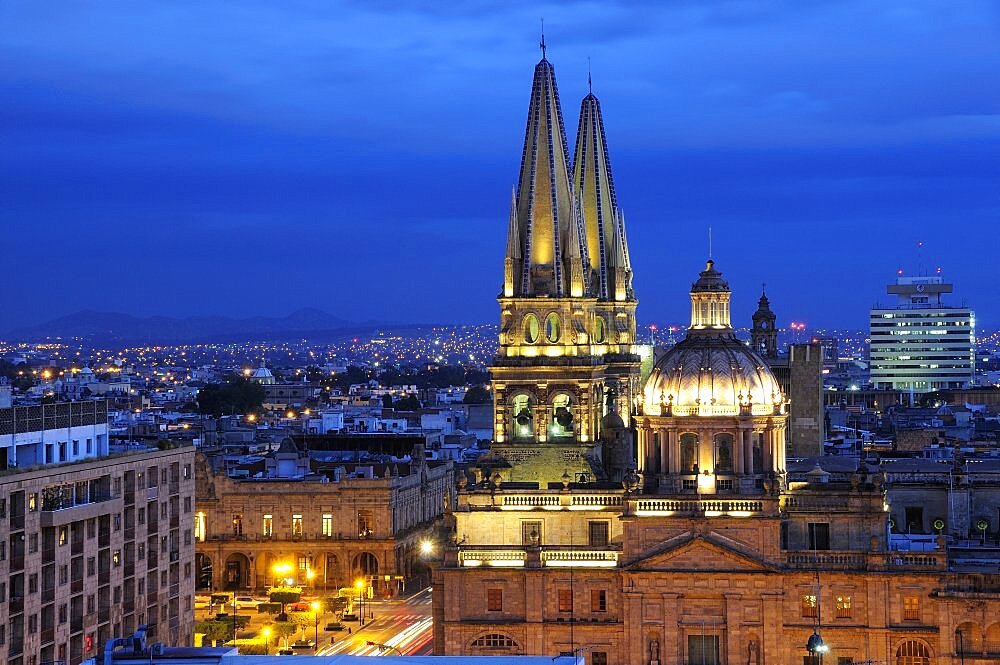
(567, 312)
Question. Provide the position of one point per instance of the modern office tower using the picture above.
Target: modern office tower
(93, 545)
(921, 344)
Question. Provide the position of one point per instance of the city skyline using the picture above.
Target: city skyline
(328, 146)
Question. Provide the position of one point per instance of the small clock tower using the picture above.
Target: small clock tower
(764, 336)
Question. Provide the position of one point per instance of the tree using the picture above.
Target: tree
(214, 631)
(302, 620)
(285, 596)
(407, 403)
(283, 630)
(235, 396)
(334, 604)
(476, 395)
(386, 401)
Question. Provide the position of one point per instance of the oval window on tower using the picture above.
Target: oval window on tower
(552, 327)
(598, 329)
(530, 328)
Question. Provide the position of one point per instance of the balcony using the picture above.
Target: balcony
(555, 557)
(62, 510)
(873, 561)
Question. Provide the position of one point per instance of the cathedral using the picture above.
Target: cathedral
(656, 522)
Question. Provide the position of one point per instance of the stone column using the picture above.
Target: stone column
(675, 452)
(671, 648)
(664, 453)
(768, 449)
(640, 454)
(747, 443)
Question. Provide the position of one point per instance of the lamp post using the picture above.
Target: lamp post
(360, 584)
(816, 647)
(315, 609)
(266, 632)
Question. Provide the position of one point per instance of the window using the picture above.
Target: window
(912, 653)
(914, 517)
(32, 623)
(63, 535)
(598, 533)
(327, 525)
(187, 504)
(598, 600)
(90, 446)
(33, 583)
(565, 600)
(843, 607)
(911, 608)
(703, 650)
(140, 550)
(187, 570)
(76, 447)
(117, 526)
(187, 471)
(63, 574)
(531, 533)
(296, 525)
(142, 516)
(237, 524)
(33, 502)
(599, 658)
(494, 641)
(819, 535)
(268, 523)
(810, 609)
(116, 557)
(90, 604)
(366, 520)
(494, 600)
(845, 660)
(3, 550)
(63, 614)
(33, 543)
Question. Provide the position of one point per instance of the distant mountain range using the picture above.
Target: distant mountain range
(162, 329)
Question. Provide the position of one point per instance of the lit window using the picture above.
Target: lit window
(268, 525)
(809, 606)
(296, 525)
(911, 608)
(843, 607)
(327, 525)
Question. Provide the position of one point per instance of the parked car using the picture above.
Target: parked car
(202, 602)
(299, 607)
(246, 601)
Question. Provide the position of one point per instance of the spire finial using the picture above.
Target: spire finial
(709, 243)
(590, 82)
(542, 43)
(763, 288)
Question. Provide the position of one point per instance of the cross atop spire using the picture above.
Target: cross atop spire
(590, 81)
(541, 44)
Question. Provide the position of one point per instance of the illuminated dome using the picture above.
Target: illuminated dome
(710, 372)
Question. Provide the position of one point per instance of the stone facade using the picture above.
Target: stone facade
(704, 580)
(93, 549)
(369, 523)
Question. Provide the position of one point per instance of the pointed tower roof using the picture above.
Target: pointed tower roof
(544, 202)
(592, 177)
(513, 230)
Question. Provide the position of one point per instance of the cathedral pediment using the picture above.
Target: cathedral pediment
(697, 551)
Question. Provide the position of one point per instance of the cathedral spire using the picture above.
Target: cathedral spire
(512, 260)
(593, 180)
(544, 199)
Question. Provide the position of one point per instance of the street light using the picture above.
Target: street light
(360, 584)
(816, 645)
(426, 547)
(266, 632)
(315, 607)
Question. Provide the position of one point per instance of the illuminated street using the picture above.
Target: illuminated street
(403, 626)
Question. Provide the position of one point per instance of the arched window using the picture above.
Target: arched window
(552, 327)
(993, 639)
(912, 652)
(530, 328)
(967, 638)
(724, 453)
(494, 641)
(689, 453)
(598, 329)
(522, 425)
(562, 416)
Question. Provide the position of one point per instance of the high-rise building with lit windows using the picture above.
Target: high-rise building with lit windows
(921, 344)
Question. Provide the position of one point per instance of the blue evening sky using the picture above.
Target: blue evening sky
(253, 157)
